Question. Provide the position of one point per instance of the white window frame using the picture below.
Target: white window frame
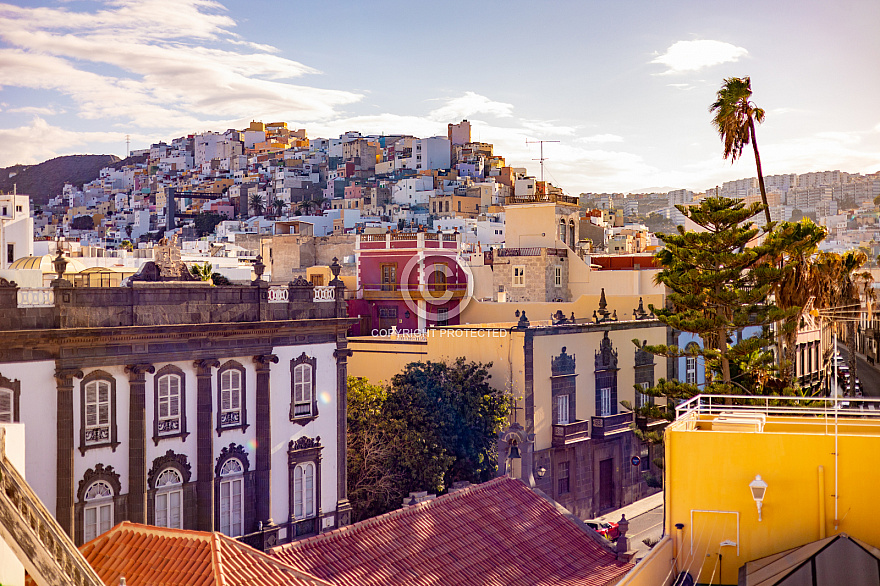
(519, 276)
(230, 395)
(304, 490)
(169, 500)
(7, 405)
(166, 403)
(690, 370)
(302, 390)
(97, 411)
(605, 402)
(557, 277)
(562, 410)
(98, 512)
(232, 498)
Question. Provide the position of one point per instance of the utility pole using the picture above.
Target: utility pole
(540, 142)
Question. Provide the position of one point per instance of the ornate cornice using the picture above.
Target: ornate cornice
(563, 364)
(266, 359)
(233, 450)
(99, 472)
(65, 374)
(304, 443)
(139, 370)
(170, 459)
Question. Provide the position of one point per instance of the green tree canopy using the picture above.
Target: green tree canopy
(435, 423)
(82, 223)
(206, 222)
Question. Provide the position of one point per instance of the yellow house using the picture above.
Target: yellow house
(567, 380)
(818, 467)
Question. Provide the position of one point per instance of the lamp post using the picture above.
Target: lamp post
(758, 488)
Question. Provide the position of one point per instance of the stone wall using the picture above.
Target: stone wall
(539, 278)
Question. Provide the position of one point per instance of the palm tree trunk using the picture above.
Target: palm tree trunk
(760, 173)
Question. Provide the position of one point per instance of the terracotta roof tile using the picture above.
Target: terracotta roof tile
(499, 532)
(147, 555)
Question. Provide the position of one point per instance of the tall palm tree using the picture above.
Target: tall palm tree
(735, 117)
(798, 282)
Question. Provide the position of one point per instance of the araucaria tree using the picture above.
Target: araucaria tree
(734, 119)
(435, 424)
(718, 281)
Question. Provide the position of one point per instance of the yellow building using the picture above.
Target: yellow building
(819, 473)
(567, 380)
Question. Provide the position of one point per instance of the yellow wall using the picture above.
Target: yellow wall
(711, 470)
(480, 312)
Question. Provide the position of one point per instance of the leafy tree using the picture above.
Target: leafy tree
(127, 245)
(257, 203)
(128, 230)
(203, 272)
(735, 117)
(82, 223)
(434, 424)
(206, 222)
(219, 279)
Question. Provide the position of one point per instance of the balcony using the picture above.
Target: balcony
(416, 291)
(569, 433)
(610, 424)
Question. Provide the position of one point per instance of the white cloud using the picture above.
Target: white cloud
(36, 110)
(684, 56)
(169, 64)
(600, 138)
(39, 141)
(456, 109)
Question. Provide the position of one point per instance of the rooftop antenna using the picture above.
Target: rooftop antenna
(541, 142)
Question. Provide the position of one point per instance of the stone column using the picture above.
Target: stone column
(264, 438)
(343, 507)
(205, 444)
(64, 446)
(137, 441)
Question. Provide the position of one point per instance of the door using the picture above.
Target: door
(606, 484)
(389, 277)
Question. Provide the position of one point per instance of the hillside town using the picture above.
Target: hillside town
(264, 292)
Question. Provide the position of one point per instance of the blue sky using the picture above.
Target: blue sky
(624, 86)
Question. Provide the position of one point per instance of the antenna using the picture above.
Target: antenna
(127, 146)
(541, 142)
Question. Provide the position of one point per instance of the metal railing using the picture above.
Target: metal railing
(36, 297)
(32, 533)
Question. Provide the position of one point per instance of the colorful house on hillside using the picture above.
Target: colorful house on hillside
(408, 281)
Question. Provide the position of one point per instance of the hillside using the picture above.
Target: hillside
(46, 180)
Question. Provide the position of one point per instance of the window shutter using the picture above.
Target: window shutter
(298, 492)
(309, 490)
(5, 406)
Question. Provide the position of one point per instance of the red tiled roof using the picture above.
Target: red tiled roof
(496, 533)
(156, 556)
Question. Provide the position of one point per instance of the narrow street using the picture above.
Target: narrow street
(867, 373)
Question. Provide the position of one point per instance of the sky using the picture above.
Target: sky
(625, 87)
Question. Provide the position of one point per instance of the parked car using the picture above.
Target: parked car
(608, 530)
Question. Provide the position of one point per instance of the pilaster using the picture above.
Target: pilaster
(205, 444)
(343, 506)
(137, 441)
(264, 438)
(64, 446)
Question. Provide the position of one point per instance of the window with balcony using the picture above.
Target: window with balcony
(304, 461)
(606, 378)
(563, 387)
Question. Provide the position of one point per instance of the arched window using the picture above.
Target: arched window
(169, 499)
(98, 511)
(232, 498)
(571, 240)
(304, 491)
(562, 230)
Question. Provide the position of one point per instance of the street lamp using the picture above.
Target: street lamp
(759, 488)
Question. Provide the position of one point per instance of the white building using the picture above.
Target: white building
(16, 228)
